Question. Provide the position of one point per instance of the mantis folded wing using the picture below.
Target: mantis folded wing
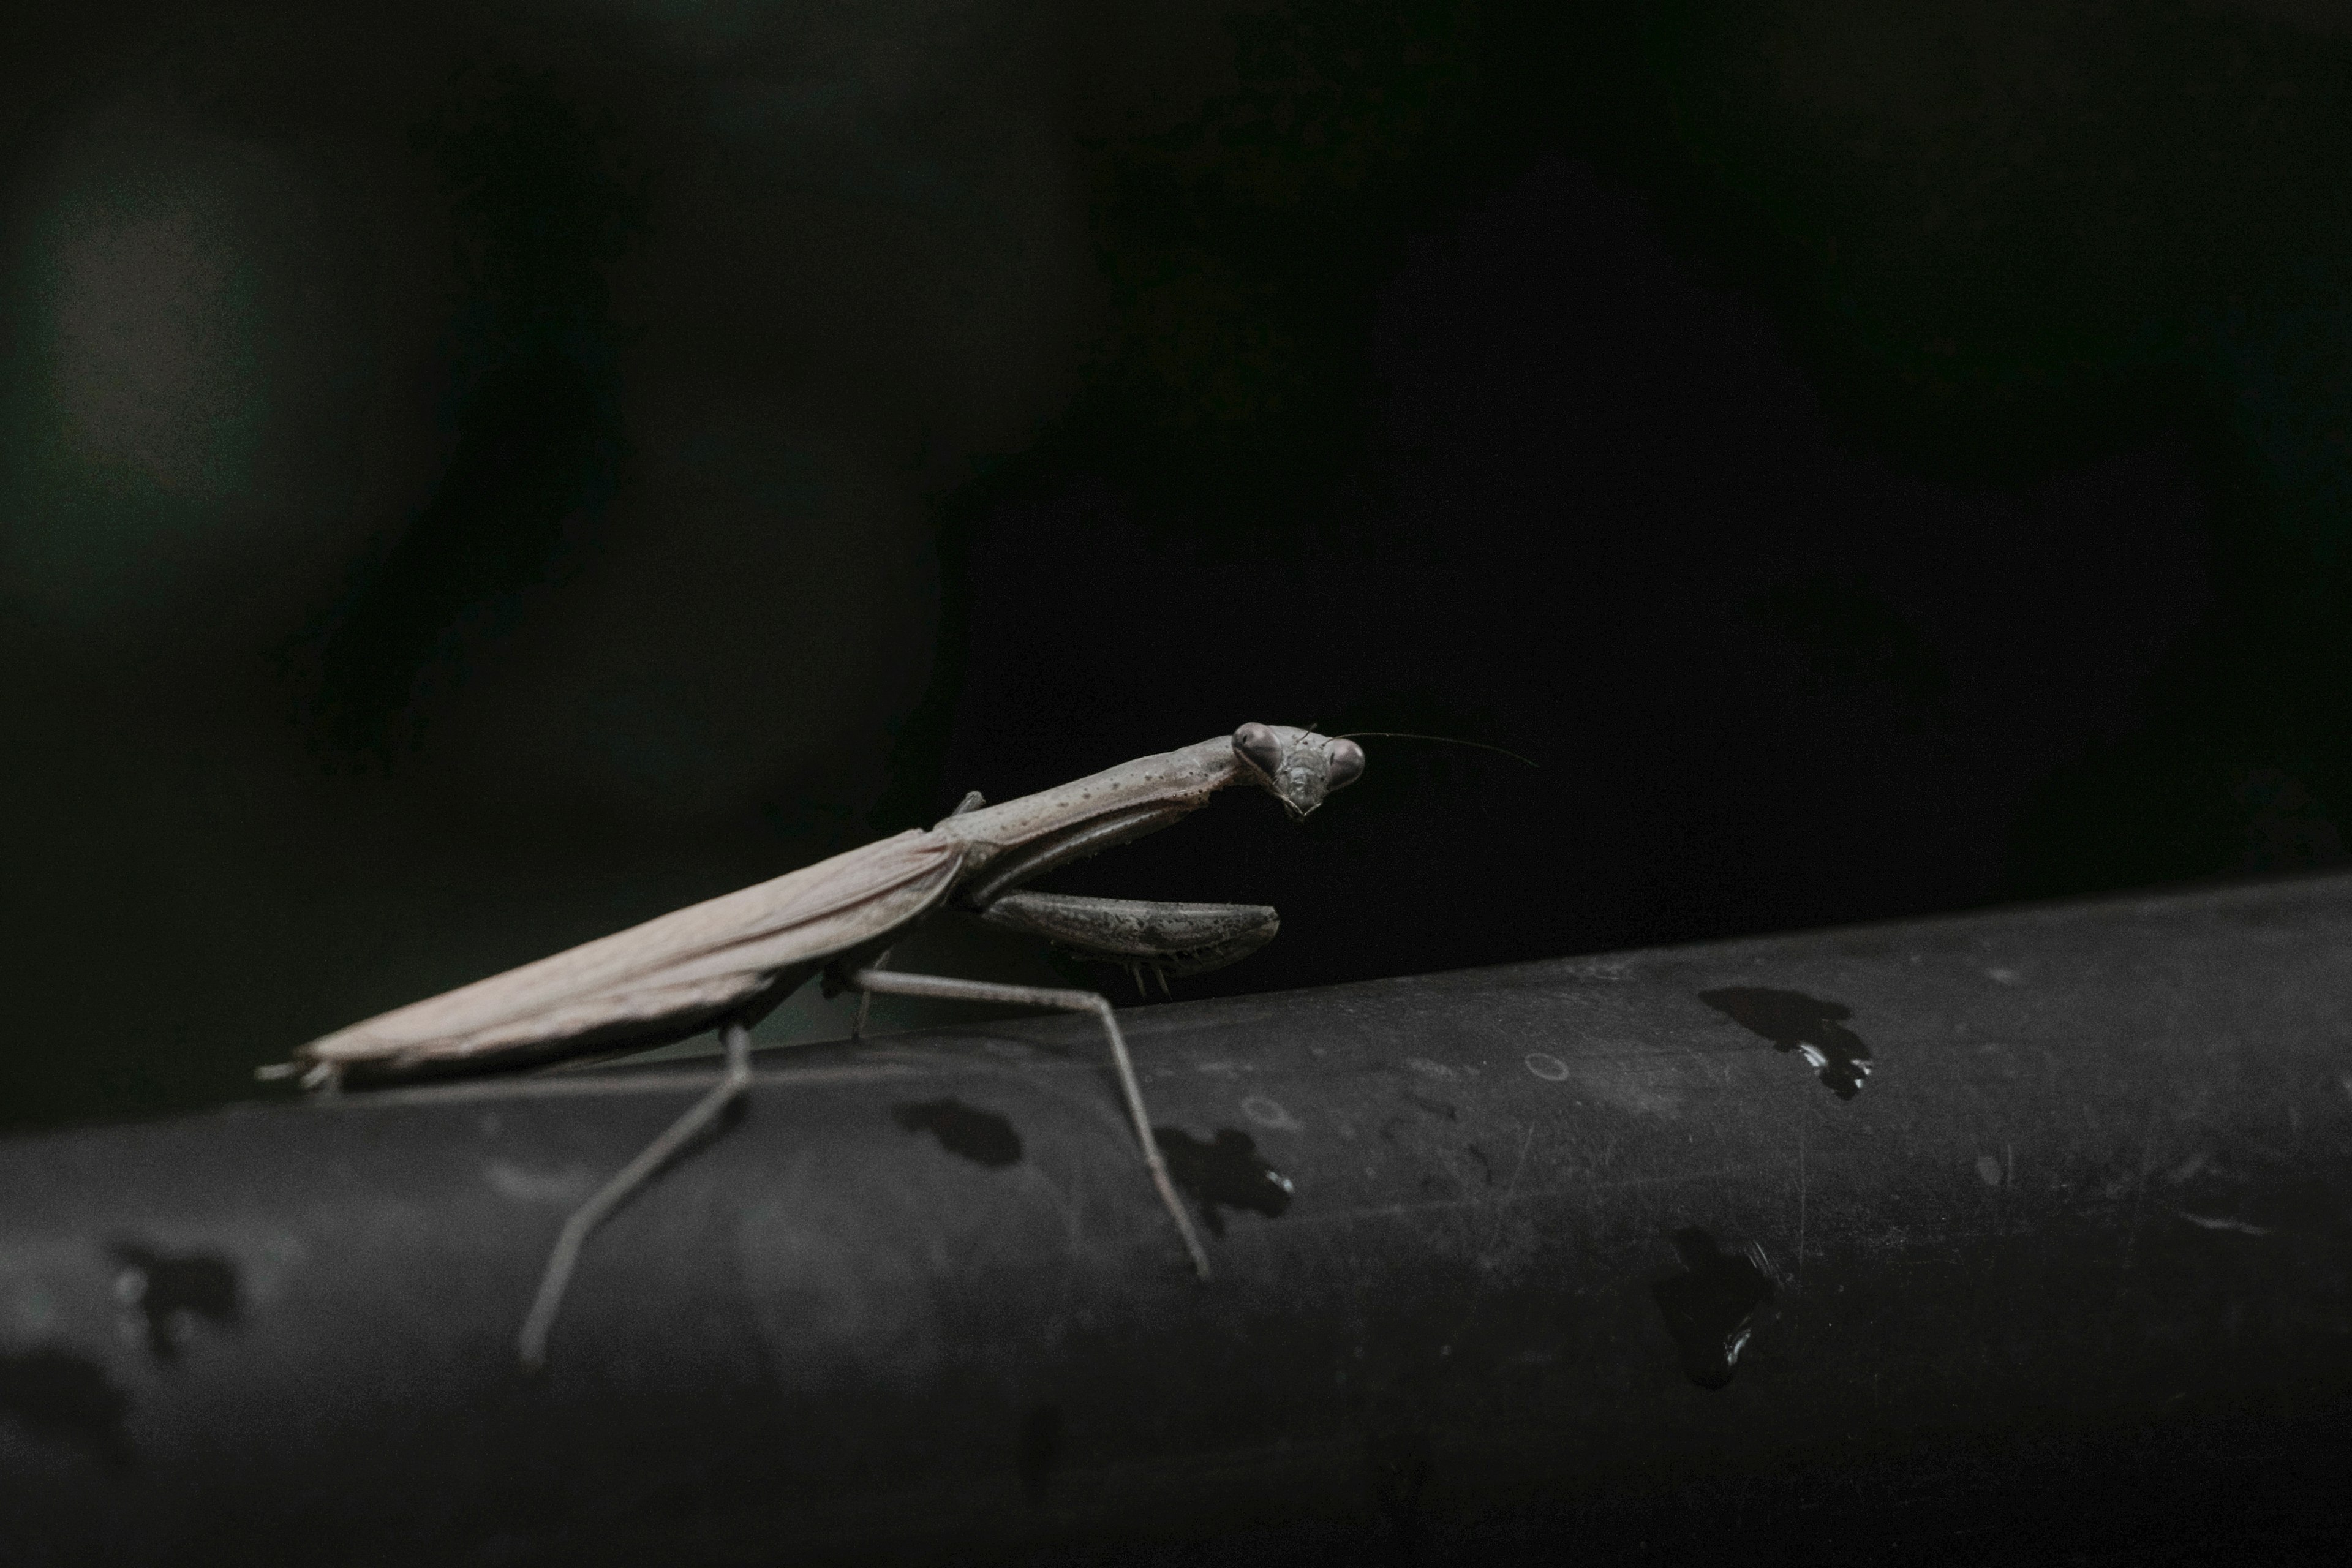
(727, 962)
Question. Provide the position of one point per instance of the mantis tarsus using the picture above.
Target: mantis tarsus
(727, 962)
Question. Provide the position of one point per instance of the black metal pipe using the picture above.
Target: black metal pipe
(2023, 1231)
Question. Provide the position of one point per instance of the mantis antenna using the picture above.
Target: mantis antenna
(1441, 740)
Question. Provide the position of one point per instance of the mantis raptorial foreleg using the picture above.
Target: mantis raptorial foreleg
(1166, 938)
(891, 982)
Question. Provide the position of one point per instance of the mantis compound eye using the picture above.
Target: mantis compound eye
(1259, 747)
(1346, 765)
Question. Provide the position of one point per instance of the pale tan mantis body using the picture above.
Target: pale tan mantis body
(726, 962)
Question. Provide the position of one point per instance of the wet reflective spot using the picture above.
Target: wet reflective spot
(1269, 1113)
(54, 1392)
(1793, 1020)
(1710, 1308)
(171, 1291)
(1040, 1451)
(1546, 1066)
(2216, 1222)
(527, 1186)
(1225, 1174)
(981, 1136)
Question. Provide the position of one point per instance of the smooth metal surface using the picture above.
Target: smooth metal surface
(2024, 1227)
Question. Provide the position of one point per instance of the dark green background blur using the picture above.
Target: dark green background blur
(475, 476)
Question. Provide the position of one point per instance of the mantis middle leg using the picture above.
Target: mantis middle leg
(892, 983)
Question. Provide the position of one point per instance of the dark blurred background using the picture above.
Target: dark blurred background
(473, 475)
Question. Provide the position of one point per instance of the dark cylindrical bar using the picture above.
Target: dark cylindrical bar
(1903, 1237)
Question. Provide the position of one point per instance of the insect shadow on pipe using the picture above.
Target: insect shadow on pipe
(1228, 1173)
(1793, 1020)
(981, 1136)
(54, 1392)
(1710, 1308)
(170, 1291)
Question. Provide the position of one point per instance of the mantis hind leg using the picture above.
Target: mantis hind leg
(565, 1258)
(891, 982)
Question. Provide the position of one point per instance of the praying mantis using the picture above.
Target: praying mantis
(726, 962)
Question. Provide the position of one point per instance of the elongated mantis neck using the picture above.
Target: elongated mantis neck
(1181, 779)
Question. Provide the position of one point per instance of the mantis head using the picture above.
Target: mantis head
(1297, 767)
